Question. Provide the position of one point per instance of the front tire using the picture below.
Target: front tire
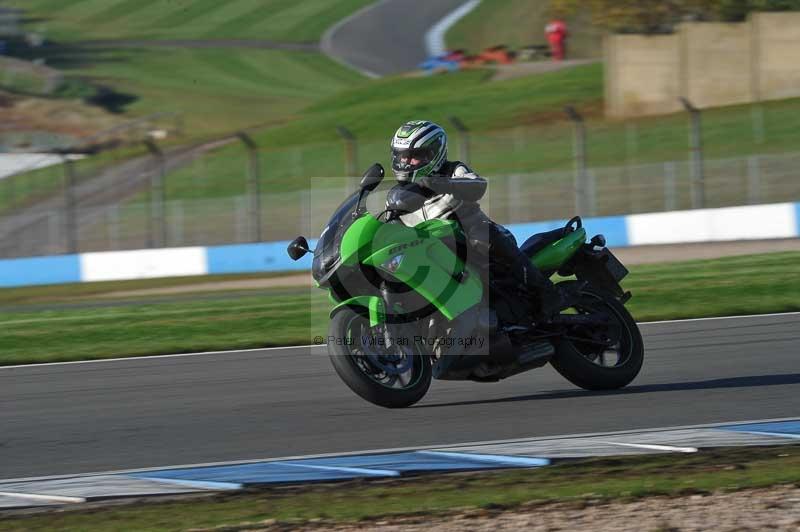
(586, 365)
(393, 377)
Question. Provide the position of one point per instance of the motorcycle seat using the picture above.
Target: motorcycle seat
(539, 241)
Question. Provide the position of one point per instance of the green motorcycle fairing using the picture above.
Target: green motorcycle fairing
(373, 304)
(427, 264)
(554, 255)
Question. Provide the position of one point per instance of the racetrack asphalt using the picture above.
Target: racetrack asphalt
(160, 411)
(387, 37)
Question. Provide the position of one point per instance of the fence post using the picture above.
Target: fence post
(253, 184)
(753, 180)
(70, 221)
(579, 153)
(463, 139)
(176, 209)
(113, 226)
(350, 151)
(670, 194)
(757, 118)
(696, 146)
(157, 236)
(631, 158)
(591, 193)
(239, 208)
(10, 188)
(516, 199)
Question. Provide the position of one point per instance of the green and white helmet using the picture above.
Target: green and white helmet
(419, 148)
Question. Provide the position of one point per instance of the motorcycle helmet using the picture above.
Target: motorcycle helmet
(419, 148)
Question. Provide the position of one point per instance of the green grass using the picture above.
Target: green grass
(216, 92)
(262, 86)
(291, 316)
(310, 146)
(219, 90)
(518, 23)
(361, 503)
(22, 82)
(279, 20)
(83, 292)
(271, 318)
(517, 126)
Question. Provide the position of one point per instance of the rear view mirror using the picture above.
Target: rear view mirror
(297, 248)
(372, 177)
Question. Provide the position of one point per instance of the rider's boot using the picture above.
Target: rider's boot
(552, 298)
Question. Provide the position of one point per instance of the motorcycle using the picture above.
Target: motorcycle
(413, 303)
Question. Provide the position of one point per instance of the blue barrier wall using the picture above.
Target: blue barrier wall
(40, 270)
(797, 217)
(260, 257)
(757, 221)
(613, 227)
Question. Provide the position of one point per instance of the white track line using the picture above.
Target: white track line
(199, 484)
(254, 350)
(652, 447)
(46, 498)
(150, 357)
(344, 469)
(491, 458)
(434, 38)
(772, 315)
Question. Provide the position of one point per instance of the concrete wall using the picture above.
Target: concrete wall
(777, 36)
(711, 64)
(642, 74)
(715, 59)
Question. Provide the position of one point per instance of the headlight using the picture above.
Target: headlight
(393, 264)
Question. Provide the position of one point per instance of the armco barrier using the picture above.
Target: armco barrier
(755, 222)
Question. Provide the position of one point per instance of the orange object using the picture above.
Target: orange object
(496, 54)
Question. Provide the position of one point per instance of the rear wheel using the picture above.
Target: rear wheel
(600, 357)
(393, 376)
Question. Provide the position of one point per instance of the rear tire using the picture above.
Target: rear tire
(355, 369)
(577, 363)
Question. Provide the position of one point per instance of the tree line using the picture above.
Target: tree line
(661, 16)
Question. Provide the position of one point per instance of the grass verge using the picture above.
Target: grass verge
(519, 23)
(516, 127)
(216, 90)
(595, 479)
(278, 20)
(49, 324)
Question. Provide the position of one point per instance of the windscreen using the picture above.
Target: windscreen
(327, 252)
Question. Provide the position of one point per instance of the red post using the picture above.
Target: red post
(556, 32)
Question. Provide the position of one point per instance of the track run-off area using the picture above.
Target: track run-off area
(68, 418)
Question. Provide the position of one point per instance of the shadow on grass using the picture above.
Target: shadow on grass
(75, 56)
(732, 382)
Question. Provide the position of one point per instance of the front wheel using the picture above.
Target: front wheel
(392, 376)
(600, 357)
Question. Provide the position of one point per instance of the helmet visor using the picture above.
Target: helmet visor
(411, 160)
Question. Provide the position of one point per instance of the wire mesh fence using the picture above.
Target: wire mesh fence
(235, 192)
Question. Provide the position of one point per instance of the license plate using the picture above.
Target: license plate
(617, 270)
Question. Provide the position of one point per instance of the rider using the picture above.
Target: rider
(419, 155)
